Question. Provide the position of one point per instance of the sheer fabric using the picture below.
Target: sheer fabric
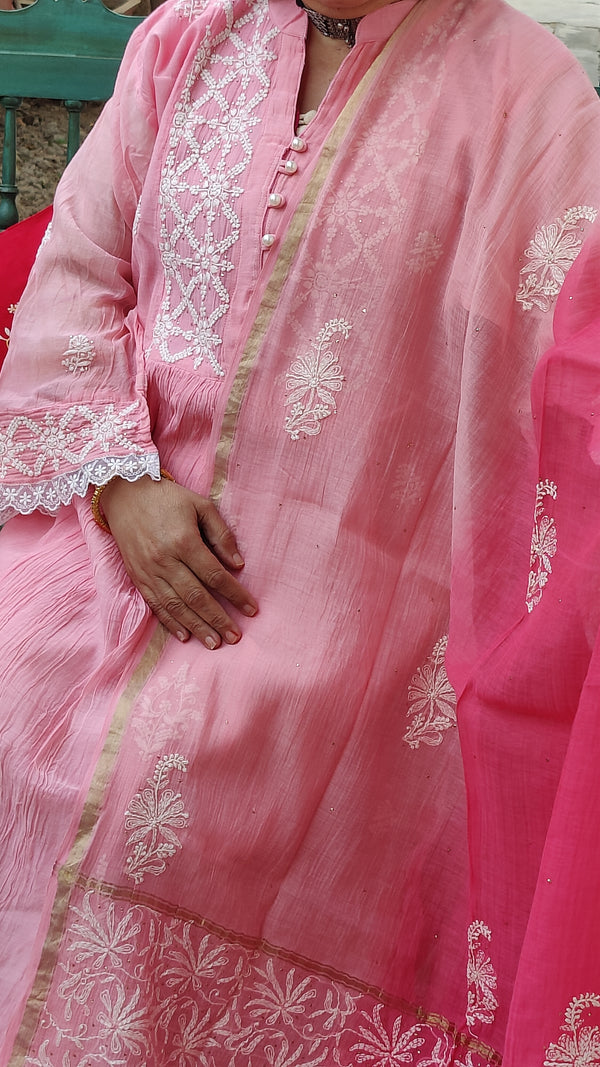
(263, 856)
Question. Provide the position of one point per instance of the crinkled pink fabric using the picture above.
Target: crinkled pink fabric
(267, 855)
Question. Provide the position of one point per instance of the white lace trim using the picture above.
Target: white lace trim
(210, 148)
(49, 495)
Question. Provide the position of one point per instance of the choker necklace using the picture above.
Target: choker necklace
(340, 29)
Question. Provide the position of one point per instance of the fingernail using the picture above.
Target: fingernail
(249, 609)
(181, 636)
(237, 559)
(231, 637)
(210, 642)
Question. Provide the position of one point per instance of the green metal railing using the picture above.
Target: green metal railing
(66, 50)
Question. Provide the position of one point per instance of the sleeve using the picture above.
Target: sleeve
(73, 411)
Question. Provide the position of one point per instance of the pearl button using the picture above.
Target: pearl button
(276, 200)
(290, 167)
(298, 145)
(268, 239)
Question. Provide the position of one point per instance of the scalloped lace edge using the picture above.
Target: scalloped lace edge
(49, 495)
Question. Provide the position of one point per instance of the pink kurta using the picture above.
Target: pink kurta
(262, 855)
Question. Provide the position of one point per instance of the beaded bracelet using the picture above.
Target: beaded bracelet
(98, 514)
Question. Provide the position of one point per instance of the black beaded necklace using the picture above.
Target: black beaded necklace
(340, 29)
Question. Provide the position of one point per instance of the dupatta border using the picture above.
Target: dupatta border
(69, 871)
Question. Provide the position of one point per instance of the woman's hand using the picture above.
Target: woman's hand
(174, 544)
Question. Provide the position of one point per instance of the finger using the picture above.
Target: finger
(218, 534)
(171, 607)
(218, 581)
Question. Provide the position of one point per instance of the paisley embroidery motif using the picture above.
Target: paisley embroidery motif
(481, 978)
(543, 545)
(579, 1044)
(551, 254)
(312, 382)
(432, 700)
(153, 816)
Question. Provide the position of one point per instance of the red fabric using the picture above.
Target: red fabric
(18, 248)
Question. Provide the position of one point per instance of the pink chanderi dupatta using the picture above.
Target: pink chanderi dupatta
(262, 855)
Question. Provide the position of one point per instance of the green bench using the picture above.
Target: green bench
(66, 50)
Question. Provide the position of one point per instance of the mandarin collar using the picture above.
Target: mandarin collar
(376, 26)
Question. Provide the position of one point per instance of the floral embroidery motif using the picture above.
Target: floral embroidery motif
(133, 986)
(579, 1045)
(163, 710)
(424, 253)
(153, 815)
(551, 254)
(80, 354)
(11, 310)
(543, 545)
(432, 700)
(312, 381)
(481, 978)
(199, 223)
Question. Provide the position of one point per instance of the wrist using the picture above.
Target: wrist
(100, 498)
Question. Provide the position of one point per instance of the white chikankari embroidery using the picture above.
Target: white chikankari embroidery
(189, 9)
(135, 987)
(153, 816)
(551, 254)
(11, 310)
(312, 381)
(210, 148)
(48, 495)
(163, 711)
(424, 253)
(80, 354)
(579, 1045)
(31, 446)
(543, 545)
(432, 700)
(481, 978)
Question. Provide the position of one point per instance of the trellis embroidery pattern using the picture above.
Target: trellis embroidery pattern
(153, 816)
(210, 148)
(579, 1044)
(551, 254)
(481, 977)
(313, 380)
(135, 987)
(543, 545)
(432, 700)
